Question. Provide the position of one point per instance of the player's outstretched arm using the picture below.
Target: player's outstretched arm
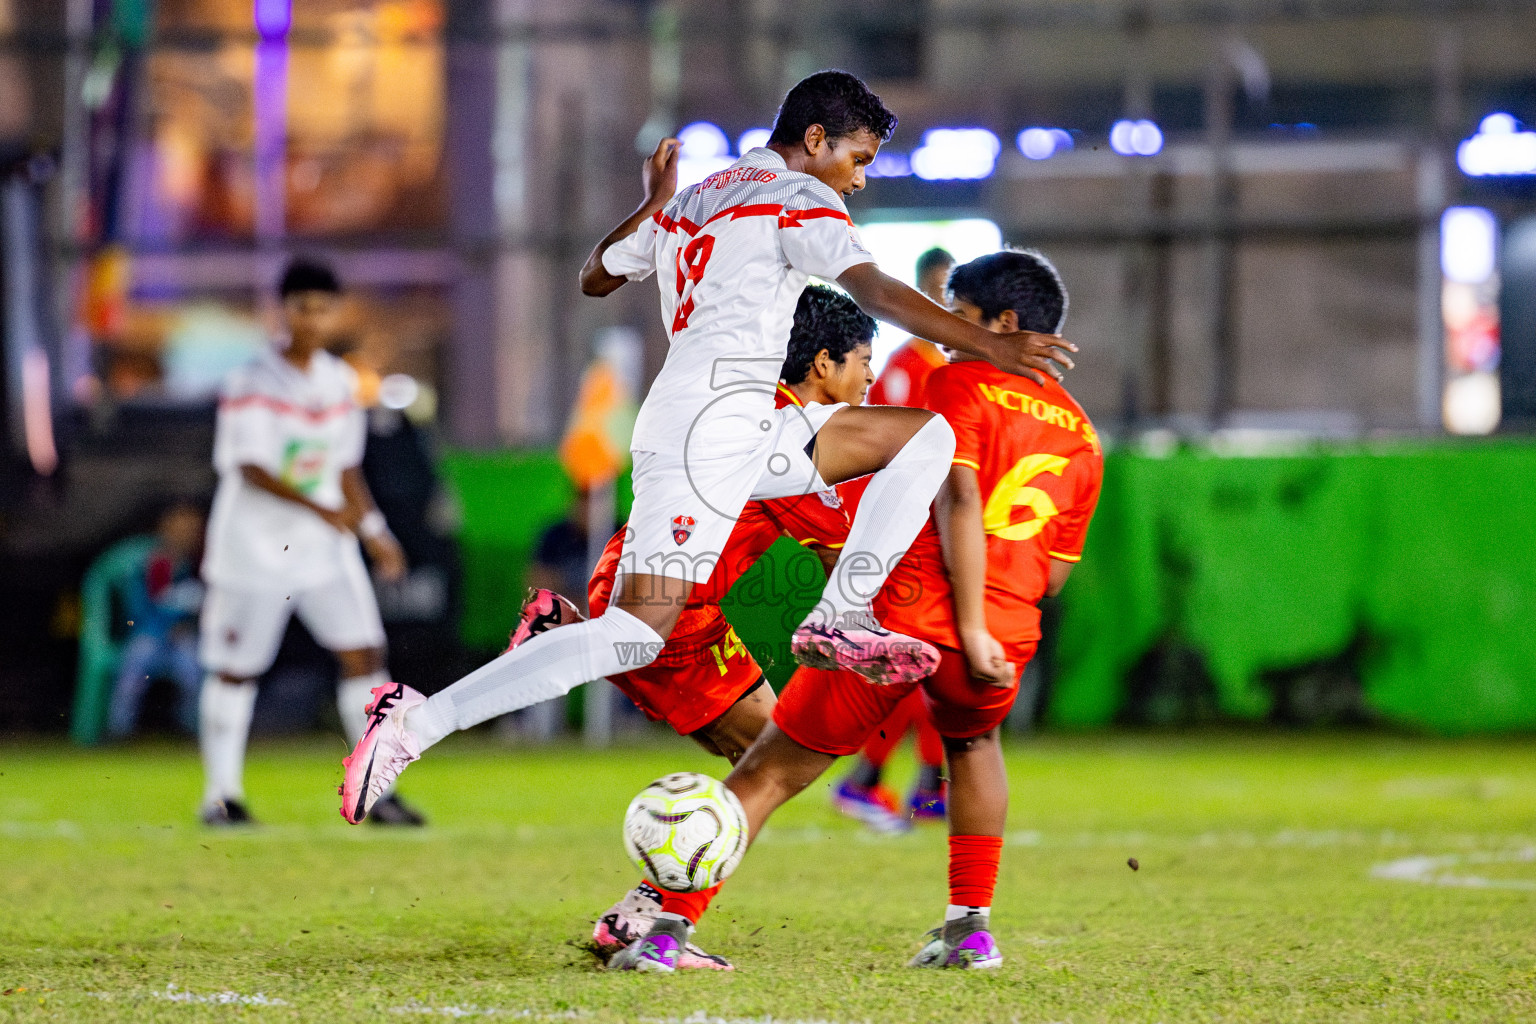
(957, 513)
(1024, 352)
(659, 177)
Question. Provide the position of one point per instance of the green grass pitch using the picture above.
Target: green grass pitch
(1260, 894)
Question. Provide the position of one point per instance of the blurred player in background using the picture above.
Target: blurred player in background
(731, 256)
(1007, 528)
(163, 601)
(705, 684)
(862, 795)
(283, 537)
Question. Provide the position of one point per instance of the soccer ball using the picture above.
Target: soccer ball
(686, 832)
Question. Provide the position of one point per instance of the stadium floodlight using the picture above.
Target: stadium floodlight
(1499, 149)
(752, 138)
(706, 149)
(1043, 143)
(1136, 138)
(890, 165)
(946, 154)
(1469, 242)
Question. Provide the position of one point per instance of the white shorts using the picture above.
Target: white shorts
(242, 629)
(685, 507)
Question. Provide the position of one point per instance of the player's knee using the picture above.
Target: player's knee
(967, 744)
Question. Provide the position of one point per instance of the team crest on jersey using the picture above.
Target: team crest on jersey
(830, 498)
(682, 528)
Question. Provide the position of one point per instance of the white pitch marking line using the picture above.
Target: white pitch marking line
(1436, 870)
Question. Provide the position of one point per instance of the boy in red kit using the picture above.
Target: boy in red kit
(704, 683)
(862, 795)
(1007, 527)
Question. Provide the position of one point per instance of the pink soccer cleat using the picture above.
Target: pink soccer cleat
(542, 611)
(382, 754)
(879, 655)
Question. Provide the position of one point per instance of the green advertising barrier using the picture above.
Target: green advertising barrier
(1398, 579)
(1407, 569)
(507, 499)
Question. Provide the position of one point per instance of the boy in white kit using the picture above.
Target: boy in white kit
(283, 538)
(731, 256)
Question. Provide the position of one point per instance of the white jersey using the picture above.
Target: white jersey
(305, 428)
(733, 254)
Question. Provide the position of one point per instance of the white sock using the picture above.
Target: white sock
(549, 665)
(352, 696)
(224, 723)
(954, 913)
(892, 511)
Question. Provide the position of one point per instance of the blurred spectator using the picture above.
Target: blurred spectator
(163, 598)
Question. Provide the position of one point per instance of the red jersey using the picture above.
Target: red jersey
(905, 377)
(1039, 464)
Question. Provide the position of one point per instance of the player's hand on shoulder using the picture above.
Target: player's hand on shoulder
(659, 172)
(1032, 355)
(387, 556)
(989, 663)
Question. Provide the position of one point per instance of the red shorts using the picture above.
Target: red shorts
(695, 680)
(835, 712)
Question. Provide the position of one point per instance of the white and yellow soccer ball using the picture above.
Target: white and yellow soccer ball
(685, 832)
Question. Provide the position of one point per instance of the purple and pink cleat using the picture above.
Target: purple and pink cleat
(964, 944)
(878, 654)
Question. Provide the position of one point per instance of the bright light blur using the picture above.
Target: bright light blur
(1136, 138)
(398, 391)
(1472, 404)
(273, 18)
(890, 165)
(753, 138)
(705, 150)
(967, 154)
(1498, 149)
(1469, 240)
(1043, 143)
(703, 139)
(896, 245)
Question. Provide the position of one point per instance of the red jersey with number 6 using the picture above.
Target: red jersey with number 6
(1039, 464)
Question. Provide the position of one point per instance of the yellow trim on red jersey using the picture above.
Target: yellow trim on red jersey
(1066, 558)
(790, 396)
(966, 462)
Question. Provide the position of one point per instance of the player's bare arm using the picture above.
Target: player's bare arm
(263, 480)
(1025, 353)
(957, 514)
(659, 177)
(388, 557)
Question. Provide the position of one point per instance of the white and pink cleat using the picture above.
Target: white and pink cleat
(385, 750)
(880, 655)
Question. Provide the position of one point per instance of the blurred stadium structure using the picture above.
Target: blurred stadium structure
(1282, 223)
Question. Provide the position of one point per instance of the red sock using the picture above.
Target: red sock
(973, 869)
(693, 904)
(930, 745)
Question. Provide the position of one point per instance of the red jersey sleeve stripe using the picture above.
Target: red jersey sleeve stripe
(958, 461)
(1062, 556)
(279, 406)
(794, 218)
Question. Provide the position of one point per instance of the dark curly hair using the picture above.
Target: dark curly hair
(1022, 280)
(836, 100)
(824, 319)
